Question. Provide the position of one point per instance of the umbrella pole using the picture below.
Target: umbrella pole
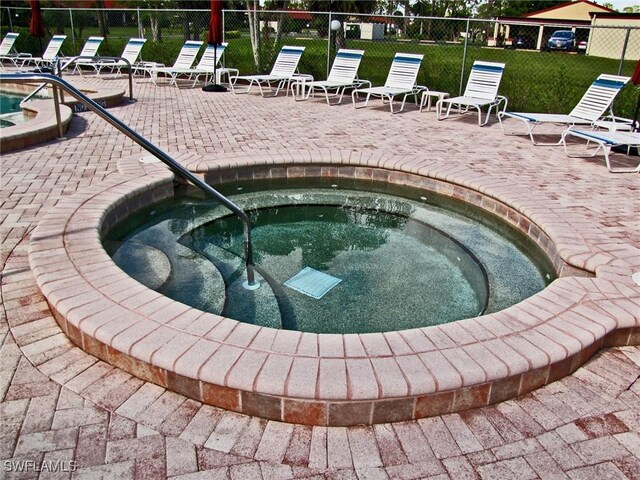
(214, 87)
(636, 116)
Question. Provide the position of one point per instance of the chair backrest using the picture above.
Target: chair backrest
(90, 48)
(484, 80)
(211, 56)
(404, 71)
(188, 54)
(132, 49)
(287, 61)
(7, 43)
(345, 66)
(54, 47)
(598, 97)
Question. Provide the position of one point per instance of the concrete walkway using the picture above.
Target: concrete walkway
(62, 408)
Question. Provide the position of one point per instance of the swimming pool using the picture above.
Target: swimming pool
(10, 111)
(332, 256)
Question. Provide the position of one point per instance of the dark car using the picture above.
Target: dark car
(562, 40)
(522, 41)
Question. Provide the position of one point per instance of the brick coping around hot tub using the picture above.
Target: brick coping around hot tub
(322, 379)
(42, 125)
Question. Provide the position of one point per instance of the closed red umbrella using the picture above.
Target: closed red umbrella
(215, 25)
(636, 75)
(215, 39)
(36, 27)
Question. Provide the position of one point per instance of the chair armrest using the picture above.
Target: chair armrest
(360, 82)
(500, 99)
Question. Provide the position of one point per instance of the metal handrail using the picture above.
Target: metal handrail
(157, 152)
(70, 60)
(32, 94)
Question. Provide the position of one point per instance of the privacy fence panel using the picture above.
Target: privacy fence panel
(542, 74)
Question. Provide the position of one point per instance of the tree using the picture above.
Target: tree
(264, 48)
(513, 8)
(191, 25)
(355, 7)
(103, 26)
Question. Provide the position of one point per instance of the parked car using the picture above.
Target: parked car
(522, 41)
(562, 40)
(582, 47)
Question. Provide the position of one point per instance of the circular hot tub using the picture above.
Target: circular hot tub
(179, 317)
(332, 256)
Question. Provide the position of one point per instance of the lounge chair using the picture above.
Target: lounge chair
(401, 80)
(481, 91)
(282, 73)
(343, 75)
(185, 60)
(131, 53)
(206, 66)
(8, 51)
(605, 141)
(51, 52)
(90, 49)
(592, 106)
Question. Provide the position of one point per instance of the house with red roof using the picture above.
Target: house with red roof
(535, 28)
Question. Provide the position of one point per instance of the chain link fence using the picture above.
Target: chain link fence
(543, 73)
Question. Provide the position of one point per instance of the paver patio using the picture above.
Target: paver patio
(58, 403)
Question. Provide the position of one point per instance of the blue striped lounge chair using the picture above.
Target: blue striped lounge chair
(90, 49)
(282, 73)
(481, 91)
(343, 75)
(8, 51)
(186, 58)
(51, 52)
(401, 80)
(604, 140)
(209, 62)
(131, 53)
(590, 109)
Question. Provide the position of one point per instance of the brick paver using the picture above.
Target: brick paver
(60, 404)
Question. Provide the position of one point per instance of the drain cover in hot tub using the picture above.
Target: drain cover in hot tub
(312, 283)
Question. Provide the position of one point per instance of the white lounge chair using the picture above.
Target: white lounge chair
(605, 141)
(185, 60)
(481, 91)
(401, 80)
(282, 73)
(343, 75)
(51, 52)
(206, 66)
(8, 51)
(131, 53)
(90, 49)
(592, 106)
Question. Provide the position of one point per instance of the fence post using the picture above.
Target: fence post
(464, 58)
(73, 32)
(139, 23)
(328, 44)
(624, 51)
(10, 22)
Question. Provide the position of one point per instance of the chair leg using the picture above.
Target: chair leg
(326, 94)
(606, 149)
(366, 100)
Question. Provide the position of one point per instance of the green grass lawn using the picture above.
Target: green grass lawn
(533, 81)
